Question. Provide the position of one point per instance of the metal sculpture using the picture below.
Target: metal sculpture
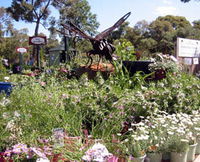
(100, 45)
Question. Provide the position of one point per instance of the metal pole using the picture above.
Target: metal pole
(38, 55)
(21, 60)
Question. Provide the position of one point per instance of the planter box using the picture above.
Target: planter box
(134, 66)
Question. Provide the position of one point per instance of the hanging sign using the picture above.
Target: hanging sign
(22, 50)
(37, 40)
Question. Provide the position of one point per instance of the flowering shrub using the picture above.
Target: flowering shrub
(98, 153)
(22, 151)
(165, 62)
(103, 108)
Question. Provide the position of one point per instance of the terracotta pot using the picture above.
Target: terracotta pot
(122, 159)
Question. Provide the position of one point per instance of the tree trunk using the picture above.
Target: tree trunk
(37, 27)
(36, 51)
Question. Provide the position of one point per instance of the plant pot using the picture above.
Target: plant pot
(198, 146)
(134, 66)
(178, 157)
(191, 152)
(166, 156)
(136, 159)
(154, 157)
(121, 159)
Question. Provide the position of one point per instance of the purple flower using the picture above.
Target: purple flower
(38, 152)
(43, 140)
(120, 107)
(20, 148)
(98, 152)
(7, 153)
(47, 150)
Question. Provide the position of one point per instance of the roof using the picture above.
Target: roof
(58, 48)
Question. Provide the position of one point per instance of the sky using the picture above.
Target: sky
(109, 11)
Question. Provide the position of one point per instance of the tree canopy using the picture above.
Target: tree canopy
(78, 12)
(31, 11)
(6, 26)
(186, 1)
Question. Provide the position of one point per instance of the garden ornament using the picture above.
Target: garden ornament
(100, 45)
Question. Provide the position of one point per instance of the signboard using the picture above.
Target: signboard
(195, 61)
(188, 47)
(21, 50)
(58, 137)
(37, 40)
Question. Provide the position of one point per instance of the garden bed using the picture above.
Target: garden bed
(121, 112)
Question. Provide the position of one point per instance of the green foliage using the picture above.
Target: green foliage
(161, 34)
(176, 145)
(78, 12)
(34, 109)
(9, 44)
(125, 50)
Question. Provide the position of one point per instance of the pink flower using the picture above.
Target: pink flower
(38, 152)
(113, 159)
(20, 148)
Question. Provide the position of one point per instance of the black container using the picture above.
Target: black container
(134, 66)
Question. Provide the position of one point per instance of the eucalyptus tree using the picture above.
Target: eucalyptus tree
(19, 38)
(196, 24)
(165, 30)
(6, 26)
(30, 11)
(79, 13)
(187, 1)
(120, 32)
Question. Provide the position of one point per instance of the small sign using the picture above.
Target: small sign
(21, 50)
(195, 61)
(188, 61)
(37, 40)
(58, 137)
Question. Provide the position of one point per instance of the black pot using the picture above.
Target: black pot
(134, 66)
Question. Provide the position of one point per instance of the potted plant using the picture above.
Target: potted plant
(136, 153)
(154, 153)
(98, 152)
(192, 149)
(178, 148)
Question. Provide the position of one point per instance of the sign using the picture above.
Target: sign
(37, 40)
(21, 50)
(195, 61)
(58, 137)
(188, 47)
(188, 61)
